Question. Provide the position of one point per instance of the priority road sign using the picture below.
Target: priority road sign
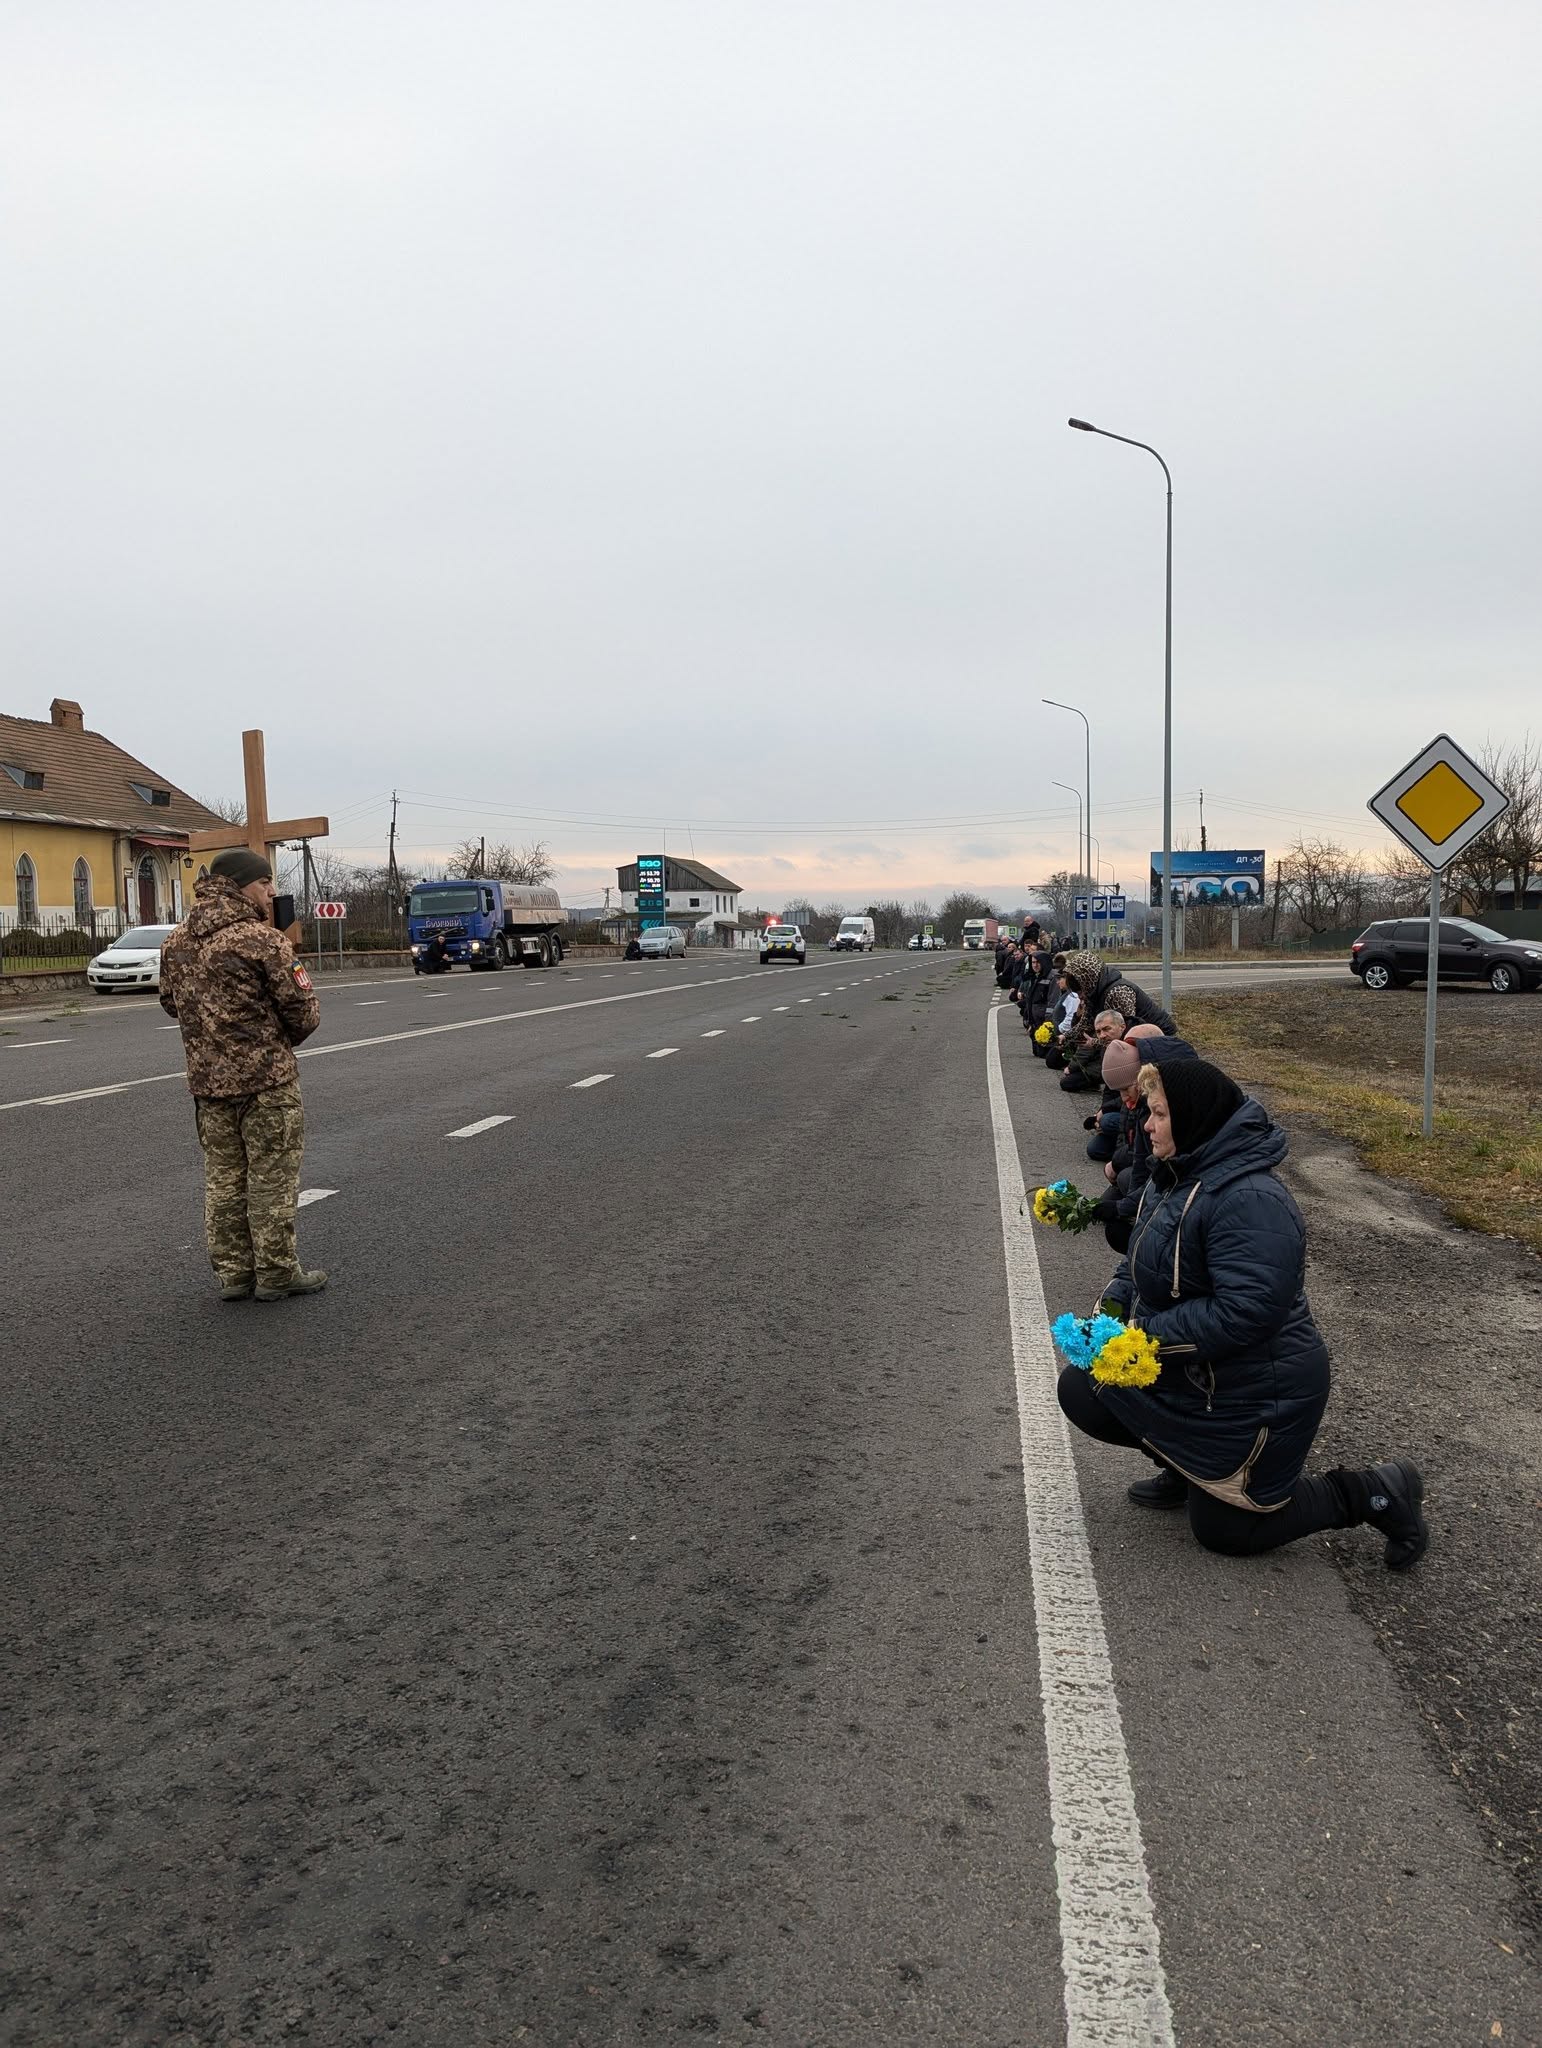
(1439, 803)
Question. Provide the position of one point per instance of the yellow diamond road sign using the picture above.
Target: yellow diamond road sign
(1439, 803)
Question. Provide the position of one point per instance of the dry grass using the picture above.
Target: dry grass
(1354, 1064)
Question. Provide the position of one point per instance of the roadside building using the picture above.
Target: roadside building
(90, 836)
(695, 896)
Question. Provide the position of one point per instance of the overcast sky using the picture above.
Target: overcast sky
(591, 419)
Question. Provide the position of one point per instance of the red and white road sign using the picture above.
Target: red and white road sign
(331, 910)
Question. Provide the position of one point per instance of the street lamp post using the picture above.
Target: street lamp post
(1078, 796)
(1086, 427)
(1087, 828)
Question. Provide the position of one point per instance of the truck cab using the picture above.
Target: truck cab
(484, 924)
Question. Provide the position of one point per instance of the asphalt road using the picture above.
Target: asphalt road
(605, 1615)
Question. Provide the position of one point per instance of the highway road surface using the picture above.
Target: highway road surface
(648, 1595)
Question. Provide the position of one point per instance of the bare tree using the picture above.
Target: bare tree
(500, 862)
(889, 924)
(1060, 893)
(957, 909)
(1324, 883)
(231, 808)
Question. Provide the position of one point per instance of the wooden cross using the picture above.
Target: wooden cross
(262, 833)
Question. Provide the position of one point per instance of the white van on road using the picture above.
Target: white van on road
(856, 935)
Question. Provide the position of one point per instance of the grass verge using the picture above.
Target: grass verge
(1484, 1162)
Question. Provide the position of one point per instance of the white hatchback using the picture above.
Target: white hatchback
(134, 961)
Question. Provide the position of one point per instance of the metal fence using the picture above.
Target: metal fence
(56, 943)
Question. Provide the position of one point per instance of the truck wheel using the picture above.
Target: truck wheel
(558, 951)
(545, 950)
(500, 956)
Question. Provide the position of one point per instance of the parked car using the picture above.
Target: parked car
(1394, 952)
(134, 961)
(916, 941)
(782, 942)
(663, 942)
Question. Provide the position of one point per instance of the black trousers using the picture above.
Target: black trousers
(1335, 1500)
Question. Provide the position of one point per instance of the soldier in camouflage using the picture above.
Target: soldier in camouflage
(244, 1003)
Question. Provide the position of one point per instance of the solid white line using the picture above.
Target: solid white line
(485, 1123)
(664, 1052)
(1111, 1957)
(321, 1052)
(712, 1034)
(593, 1081)
(26, 1044)
(309, 1195)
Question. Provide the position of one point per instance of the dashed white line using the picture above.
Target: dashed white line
(712, 1034)
(308, 1195)
(593, 1081)
(664, 1052)
(374, 1003)
(437, 996)
(805, 999)
(26, 1044)
(1110, 1950)
(749, 1020)
(483, 1123)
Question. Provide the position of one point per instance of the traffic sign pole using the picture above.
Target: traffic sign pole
(1431, 990)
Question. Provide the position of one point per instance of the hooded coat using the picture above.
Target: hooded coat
(1215, 1272)
(1104, 988)
(242, 999)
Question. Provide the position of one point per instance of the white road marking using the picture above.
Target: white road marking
(712, 1034)
(321, 1052)
(593, 1081)
(805, 999)
(438, 996)
(26, 1044)
(1111, 1957)
(485, 1123)
(309, 1195)
(749, 1020)
(779, 1009)
(663, 1052)
(168, 1027)
(374, 1003)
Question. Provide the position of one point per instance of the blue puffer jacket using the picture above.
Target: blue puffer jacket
(1214, 1272)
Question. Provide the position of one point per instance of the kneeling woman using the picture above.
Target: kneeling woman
(1214, 1272)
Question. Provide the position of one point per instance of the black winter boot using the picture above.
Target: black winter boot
(1396, 1507)
(1165, 1489)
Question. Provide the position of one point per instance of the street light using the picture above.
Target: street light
(1086, 427)
(1078, 796)
(1087, 864)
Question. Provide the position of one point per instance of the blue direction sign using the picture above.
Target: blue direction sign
(651, 899)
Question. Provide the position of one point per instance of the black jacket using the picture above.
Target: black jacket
(1215, 1272)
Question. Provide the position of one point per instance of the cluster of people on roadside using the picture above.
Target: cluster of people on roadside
(1212, 1261)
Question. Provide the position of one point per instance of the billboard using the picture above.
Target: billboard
(1236, 877)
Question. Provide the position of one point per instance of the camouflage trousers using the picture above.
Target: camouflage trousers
(252, 1147)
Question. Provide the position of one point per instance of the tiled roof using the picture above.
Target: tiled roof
(88, 781)
(681, 874)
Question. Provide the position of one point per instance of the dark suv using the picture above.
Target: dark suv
(1391, 955)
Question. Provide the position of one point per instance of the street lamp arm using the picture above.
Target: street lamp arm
(1086, 427)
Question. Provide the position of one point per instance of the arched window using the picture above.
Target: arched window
(26, 891)
(83, 903)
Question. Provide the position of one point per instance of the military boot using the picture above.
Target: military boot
(292, 1283)
(239, 1289)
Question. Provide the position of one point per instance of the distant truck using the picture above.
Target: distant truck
(485, 924)
(980, 934)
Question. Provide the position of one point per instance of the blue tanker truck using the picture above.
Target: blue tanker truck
(484, 924)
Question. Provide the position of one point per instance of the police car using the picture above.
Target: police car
(782, 942)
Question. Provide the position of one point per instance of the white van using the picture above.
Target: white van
(856, 935)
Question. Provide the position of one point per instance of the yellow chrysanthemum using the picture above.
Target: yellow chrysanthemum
(1044, 1034)
(1128, 1360)
(1041, 1209)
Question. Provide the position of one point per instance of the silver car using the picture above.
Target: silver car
(134, 961)
(663, 942)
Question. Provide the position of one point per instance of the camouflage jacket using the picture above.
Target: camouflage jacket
(243, 1000)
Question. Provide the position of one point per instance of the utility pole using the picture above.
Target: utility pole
(1274, 922)
(393, 873)
(308, 874)
(482, 854)
(1204, 844)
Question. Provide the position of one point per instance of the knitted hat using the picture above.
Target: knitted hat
(1200, 1099)
(1121, 1063)
(241, 866)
